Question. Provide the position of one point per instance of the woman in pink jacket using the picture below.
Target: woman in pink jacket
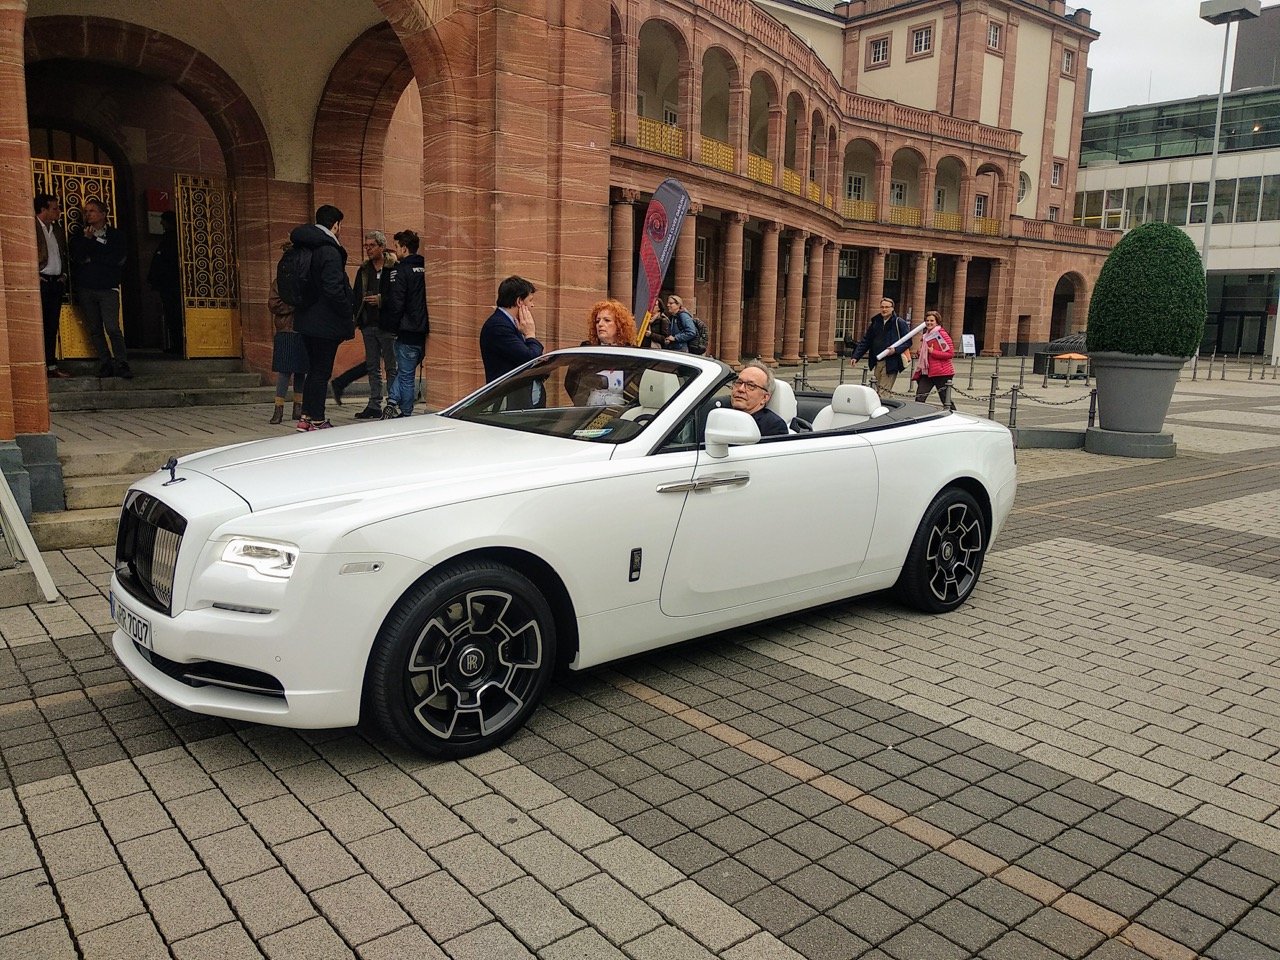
(934, 368)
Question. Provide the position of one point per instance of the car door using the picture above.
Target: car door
(771, 519)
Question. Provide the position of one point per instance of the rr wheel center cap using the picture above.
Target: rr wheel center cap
(471, 661)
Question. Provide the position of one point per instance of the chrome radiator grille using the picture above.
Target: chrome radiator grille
(147, 545)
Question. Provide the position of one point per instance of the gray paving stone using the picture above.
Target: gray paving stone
(391, 858)
(97, 899)
(667, 943)
(187, 905)
(776, 910)
(227, 942)
(123, 940)
(234, 854)
(824, 938)
(491, 940)
(360, 910)
(268, 902)
(28, 901)
(1062, 933)
(201, 814)
(158, 857)
(313, 939)
(442, 906)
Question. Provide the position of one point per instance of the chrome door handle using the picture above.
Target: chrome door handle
(728, 480)
(684, 487)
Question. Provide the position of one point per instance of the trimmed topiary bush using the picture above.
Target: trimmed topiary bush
(1150, 297)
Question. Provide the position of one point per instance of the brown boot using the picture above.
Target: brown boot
(297, 409)
(277, 415)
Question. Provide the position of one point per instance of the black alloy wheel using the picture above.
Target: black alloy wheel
(946, 554)
(463, 660)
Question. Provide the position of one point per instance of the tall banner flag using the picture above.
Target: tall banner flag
(662, 222)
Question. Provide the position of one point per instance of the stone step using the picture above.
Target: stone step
(92, 492)
(156, 365)
(76, 528)
(136, 399)
(164, 380)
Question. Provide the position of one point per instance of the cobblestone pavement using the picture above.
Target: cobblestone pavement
(1080, 762)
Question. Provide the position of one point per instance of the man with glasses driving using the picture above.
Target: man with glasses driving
(751, 393)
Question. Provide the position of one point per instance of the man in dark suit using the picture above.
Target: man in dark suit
(51, 254)
(883, 331)
(507, 339)
(99, 253)
(326, 321)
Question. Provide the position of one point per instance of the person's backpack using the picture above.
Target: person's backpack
(699, 343)
(293, 277)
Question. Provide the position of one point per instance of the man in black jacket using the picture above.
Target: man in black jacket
(375, 325)
(326, 320)
(883, 331)
(406, 305)
(99, 253)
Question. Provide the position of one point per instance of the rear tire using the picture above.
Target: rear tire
(946, 554)
(463, 660)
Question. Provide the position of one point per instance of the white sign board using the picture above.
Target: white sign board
(968, 344)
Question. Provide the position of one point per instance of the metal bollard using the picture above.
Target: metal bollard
(1013, 407)
(1066, 380)
(1223, 375)
(842, 368)
(1088, 371)
(1045, 384)
(864, 376)
(997, 364)
(1022, 371)
(991, 403)
(972, 361)
(1251, 367)
(1195, 363)
(1093, 406)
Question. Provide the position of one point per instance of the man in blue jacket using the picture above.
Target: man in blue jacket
(508, 338)
(99, 253)
(884, 330)
(326, 320)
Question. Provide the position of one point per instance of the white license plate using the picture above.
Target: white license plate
(137, 628)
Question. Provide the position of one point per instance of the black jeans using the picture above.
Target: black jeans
(51, 313)
(320, 354)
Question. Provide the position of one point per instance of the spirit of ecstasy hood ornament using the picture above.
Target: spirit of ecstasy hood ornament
(172, 466)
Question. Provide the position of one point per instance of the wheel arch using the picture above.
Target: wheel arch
(978, 491)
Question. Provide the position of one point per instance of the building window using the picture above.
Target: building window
(1024, 184)
(1069, 62)
(700, 259)
(921, 41)
(669, 115)
(892, 264)
(897, 193)
(1053, 214)
(940, 198)
(848, 263)
(748, 249)
(878, 51)
(995, 35)
(980, 205)
(854, 185)
(1056, 177)
(933, 270)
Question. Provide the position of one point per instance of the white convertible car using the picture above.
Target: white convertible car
(432, 572)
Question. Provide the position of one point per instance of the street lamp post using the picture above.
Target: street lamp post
(1219, 12)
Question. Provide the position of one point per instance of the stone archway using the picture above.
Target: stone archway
(1069, 306)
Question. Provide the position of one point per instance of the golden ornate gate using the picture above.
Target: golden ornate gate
(73, 184)
(210, 278)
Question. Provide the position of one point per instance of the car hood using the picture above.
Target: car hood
(417, 452)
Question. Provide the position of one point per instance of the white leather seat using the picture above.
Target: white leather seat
(851, 403)
(656, 388)
(783, 402)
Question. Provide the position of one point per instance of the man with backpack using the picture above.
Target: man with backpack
(312, 277)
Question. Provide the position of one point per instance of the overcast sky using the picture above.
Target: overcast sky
(1153, 50)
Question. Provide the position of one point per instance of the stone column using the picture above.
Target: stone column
(884, 173)
(875, 287)
(622, 246)
(795, 293)
(967, 193)
(686, 260)
(954, 321)
(996, 329)
(817, 308)
(919, 278)
(739, 125)
(766, 329)
(777, 142)
(926, 198)
(731, 299)
(830, 276)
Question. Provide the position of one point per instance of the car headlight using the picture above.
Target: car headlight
(263, 556)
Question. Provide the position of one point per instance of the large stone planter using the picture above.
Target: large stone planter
(1134, 391)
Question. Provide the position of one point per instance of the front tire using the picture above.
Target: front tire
(463, 660)
(946, 555)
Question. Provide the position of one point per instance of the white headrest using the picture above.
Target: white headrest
(856, 400)
(783, 401)
(656, 388)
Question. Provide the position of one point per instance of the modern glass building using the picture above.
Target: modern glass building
(1146, 163)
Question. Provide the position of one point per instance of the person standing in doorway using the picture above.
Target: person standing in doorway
(326, 321)
(165, 278)
(51, 253)
(884, 329)
(99, 254)
(375, 324)
(407, 309)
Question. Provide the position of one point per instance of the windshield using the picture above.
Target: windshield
(597, 396)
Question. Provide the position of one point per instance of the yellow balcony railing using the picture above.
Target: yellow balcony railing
(815, 192)
(759, 169)
(790, 181)
(615, 135)
(947, 221)
(717, 154)
(905, 216)
(986, 225)
(660, 137)
(864, 210)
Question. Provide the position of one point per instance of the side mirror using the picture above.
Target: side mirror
(728, 428)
